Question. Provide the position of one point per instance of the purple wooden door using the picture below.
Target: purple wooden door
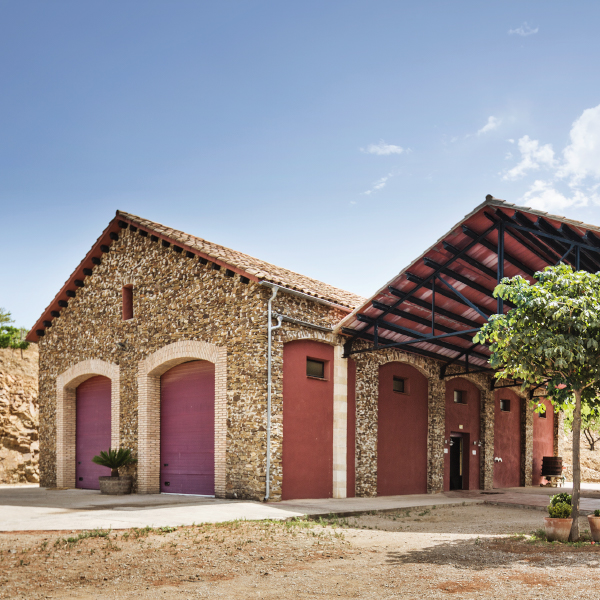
(92, 430)
(187, 429)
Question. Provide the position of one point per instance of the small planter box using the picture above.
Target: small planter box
(116, 486)
(558, 530)
(594, 527)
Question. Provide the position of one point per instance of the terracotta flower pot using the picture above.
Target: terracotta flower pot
(116, 486)
(594, 527)
(558, 530)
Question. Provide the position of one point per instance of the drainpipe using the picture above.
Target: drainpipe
(270, 329)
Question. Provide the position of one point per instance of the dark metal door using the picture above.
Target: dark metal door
(92, 430)
(187, 429)
(456, 463)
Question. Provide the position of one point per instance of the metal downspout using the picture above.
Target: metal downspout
(270, 329)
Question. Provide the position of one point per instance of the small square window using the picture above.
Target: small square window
(400, 385)
(315, 368)
(460, 396)
(542, 415)
(505, 405)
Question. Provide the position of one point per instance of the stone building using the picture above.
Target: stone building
(232, 377)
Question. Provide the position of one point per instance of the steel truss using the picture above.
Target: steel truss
(548, 243)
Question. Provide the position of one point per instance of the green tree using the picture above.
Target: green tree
(551, 337)
(5, 317)
(11, 337)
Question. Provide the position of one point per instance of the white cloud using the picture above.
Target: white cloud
(383, 149)
(492, 123)
(582, 155)
(524, 30)
(533, 157)
(573, 177)
(378, 185)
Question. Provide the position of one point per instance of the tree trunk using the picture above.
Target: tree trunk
(576, 467)
(114, 472)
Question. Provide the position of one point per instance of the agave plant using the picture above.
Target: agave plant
(114, 459)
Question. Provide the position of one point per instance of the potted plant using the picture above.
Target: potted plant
(594, 521)
(558, 523)
(114, 460)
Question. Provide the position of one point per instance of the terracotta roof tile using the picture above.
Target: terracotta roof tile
(253, 266)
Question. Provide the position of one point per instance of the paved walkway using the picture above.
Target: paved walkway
(31, 508)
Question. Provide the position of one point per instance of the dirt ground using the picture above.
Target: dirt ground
(451, 552)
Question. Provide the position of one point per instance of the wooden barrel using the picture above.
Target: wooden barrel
(552, 466)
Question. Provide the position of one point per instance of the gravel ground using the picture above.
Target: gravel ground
(472, 551)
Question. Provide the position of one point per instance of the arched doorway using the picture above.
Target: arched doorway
(507, 439)
(543, 439)
(401, 430)
(462, 449)
(307, 453)
(92, 430)
(187, 429)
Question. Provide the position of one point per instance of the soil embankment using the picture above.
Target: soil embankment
(589, 460)
(19, 416)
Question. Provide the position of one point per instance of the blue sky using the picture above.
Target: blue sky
(337, 139)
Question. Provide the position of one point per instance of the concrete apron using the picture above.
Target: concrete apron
(29, 508)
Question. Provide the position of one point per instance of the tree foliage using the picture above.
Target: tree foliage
(11, 337)
(551, 337)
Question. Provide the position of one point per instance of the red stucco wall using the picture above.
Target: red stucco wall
(507, 440)
(543, 440)
(307, 459)
(402, 432)
(466, 415)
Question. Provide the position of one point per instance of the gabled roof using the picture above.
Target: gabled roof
(244, 265)
(445, 295)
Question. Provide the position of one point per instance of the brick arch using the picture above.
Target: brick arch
(149, 372)
(291, 335)
(66, 396)
(401, 358)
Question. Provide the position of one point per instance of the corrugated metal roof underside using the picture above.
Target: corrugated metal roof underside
(532, 241)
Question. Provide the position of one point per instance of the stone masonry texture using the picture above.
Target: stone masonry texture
(178, 302)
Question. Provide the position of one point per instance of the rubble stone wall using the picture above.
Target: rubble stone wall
(176, 298)
(19, 418)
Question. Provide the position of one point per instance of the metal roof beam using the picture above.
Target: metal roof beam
(420, 320)
(472, 261)
(419, 337)
(575, 237)
(462, 279)
(427, 305)
(367, 336)
(493, 248)
(559, 243)
(442, 292)
(532, 243)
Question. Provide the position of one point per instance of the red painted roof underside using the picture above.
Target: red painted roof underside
(479, 223)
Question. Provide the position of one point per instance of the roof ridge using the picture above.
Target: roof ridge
(256, 267)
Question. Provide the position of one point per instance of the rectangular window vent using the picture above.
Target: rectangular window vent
(315, 368)
(505, 405)
(460, 396)
(127, 302)
(542, 415)
(400, 385)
